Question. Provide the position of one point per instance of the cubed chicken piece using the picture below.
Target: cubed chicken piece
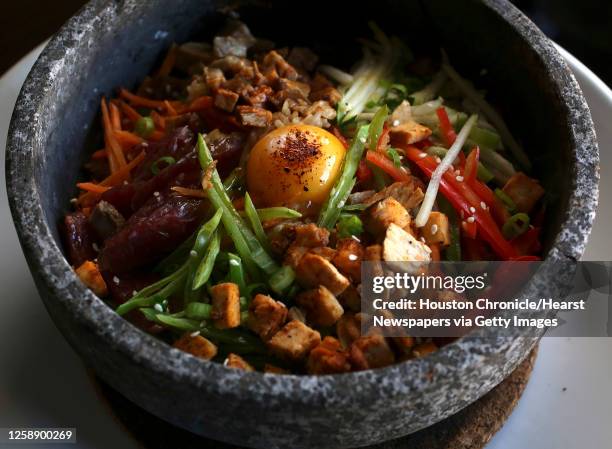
(329, 94)
(524, 191)
(294, 341)
(408, 133)
(351, 298)
(314, 270)
(423, 349)
(225, 305)
(294, 254)
(294, 89)
(348, 329)
(311, 235)
(235, 361)
(325, 252)
(196, 345)
(328, 358)
(258, 96)
(436, 229)
(266, 316)
(226, 99)
(407, 193)
(253, 116)
(400, 246)
(401, 114)
(295, 313)
(379, 216)
(371, 351)
(347, 259)
(214, 77)
(373, 253)
(90, 275)
(284, 69)
(321, 306)
(273, 369)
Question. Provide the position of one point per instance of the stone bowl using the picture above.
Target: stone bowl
(115, 43)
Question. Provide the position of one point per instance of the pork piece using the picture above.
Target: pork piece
(196, 345)
(373, 253)
(225, 305)
(294, 341)
(293, 89)
(313, 270)
(266, 316)
(379, 216)
(275, 61)
(79, 238)
(524, 191)
(162, 224)
(408, 133)
(400, 246)
(258, 97)
(106, 220)
(311, 236)
(90, 275)
(226, 99)
(213, 77)
(322, 89)
(407, 193)
(371, 351)
(347, 259)
(235, 40)
(254, 116)
(231, 65)
(348, 329)
(436, 229)
(281, 236)
(235, 361)
(328, 358)
(321, 306)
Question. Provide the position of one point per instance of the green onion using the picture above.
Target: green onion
(348, 225)
(168, 160)
(233, 180)
(198, 311)
(516, 225)
(395, 157)
(484, 138)
(173, 262)
(144, 127)
(271, 213)
(253, 217)
(282, 279)
(205, 268)
(236, 272)
(354, 207)
(508, 202)
(376, 126)
(342, 189)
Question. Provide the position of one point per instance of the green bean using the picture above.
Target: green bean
(376, 126)
(236, 272)
(354, 207)
(183, 324)
(253, 218)
(342, 189)
(271, 213)
(207, 263)
(198, 311)
(282, 279)
(205, 234)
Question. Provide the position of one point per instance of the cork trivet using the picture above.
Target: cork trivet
(471, 428)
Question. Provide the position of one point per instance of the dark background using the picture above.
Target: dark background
(584, 27)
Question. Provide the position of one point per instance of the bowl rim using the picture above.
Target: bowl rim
(57, 277)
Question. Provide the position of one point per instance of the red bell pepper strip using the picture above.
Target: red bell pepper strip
(383, 140)
(471, 166)
(386, 165)
(446, 128)
(469, 229)
(364, 173)
(528, 242)
(463, 198)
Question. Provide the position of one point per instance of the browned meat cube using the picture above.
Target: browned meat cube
(371, 351)
(226, 99)
(311, 235)
(524, 191)
(379, 216)
(196, 345)
(321, 306)
(266, 316)
(349, 254)
(329, 94)
(235, 361)
(253, 116)
(348, 329)
(294, 89)
(328, 358)
(214, 77)
(284, 69)
(294, 254)
(324, 251)
(373, 253)
(351, 298)
(106, 220)
(408, 133)
(436, 229)
(258, 96)
(400, 246)
(89, 274)
(225, 305)
(294, 341)
(408, 193)
(314, 270)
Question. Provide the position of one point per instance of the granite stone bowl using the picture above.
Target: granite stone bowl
(115, 43)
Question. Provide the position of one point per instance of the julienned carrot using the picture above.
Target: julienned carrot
(169, 108)
(127, 139)
(100, 154)
(129, 111)
(199, 104)
(157, 135)
(91, 187)
(168, 64)
(116, 158)
(137, 100)
(158, 120)
(115, 116)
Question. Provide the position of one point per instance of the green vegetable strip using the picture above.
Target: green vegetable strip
(168, 160)
(253, 218)
(516, 225)
(271, 213)
(348, 225)
(342, 189)
(505, 199)
(177, 257)
(236, 272)
(205, 268)
(198, 311)
(376, 126)
(282, 279)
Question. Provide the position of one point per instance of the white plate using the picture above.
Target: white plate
(43, 383)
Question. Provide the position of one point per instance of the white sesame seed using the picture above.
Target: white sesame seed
(352, 257)
(457, 172)
(434, 229)
(225, 362)
(396, 122)
(155, 193)
(193, 253)
(471, 219)
(125, 183)
(472, 209)
(95, 247)
(438, 160)
(73, 201)
(422, 240)
(354, 237)
(422, 155)
(116, 280)
(134, 292)
(158, 307)
(362, 140)
(325, 141)
(144, 144)
(194, 334)
(459, 178)
(483, 205)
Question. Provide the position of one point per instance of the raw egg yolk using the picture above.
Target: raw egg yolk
(294, 166)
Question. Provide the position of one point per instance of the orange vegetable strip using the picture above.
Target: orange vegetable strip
(113, 147)
(157, 135)
(127, 139)
(100, 154)
(168, 63)
(123, 173)
(129, 111)
(115, 116)
(158, 120)
(169, 108)
(91, 187)
(198, 104)
(137, 100)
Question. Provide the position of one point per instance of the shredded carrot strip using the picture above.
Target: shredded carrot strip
(91, 187)
(168, 63)
(129, 111)
(198, 104)
(100, 154)
(115, 116)
(169, 108)
(127, 139)
(137, 100)
(189, 192)
(158, 120)
(157, 135)
(116, 157)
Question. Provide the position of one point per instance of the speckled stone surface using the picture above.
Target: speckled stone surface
(113, 43)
